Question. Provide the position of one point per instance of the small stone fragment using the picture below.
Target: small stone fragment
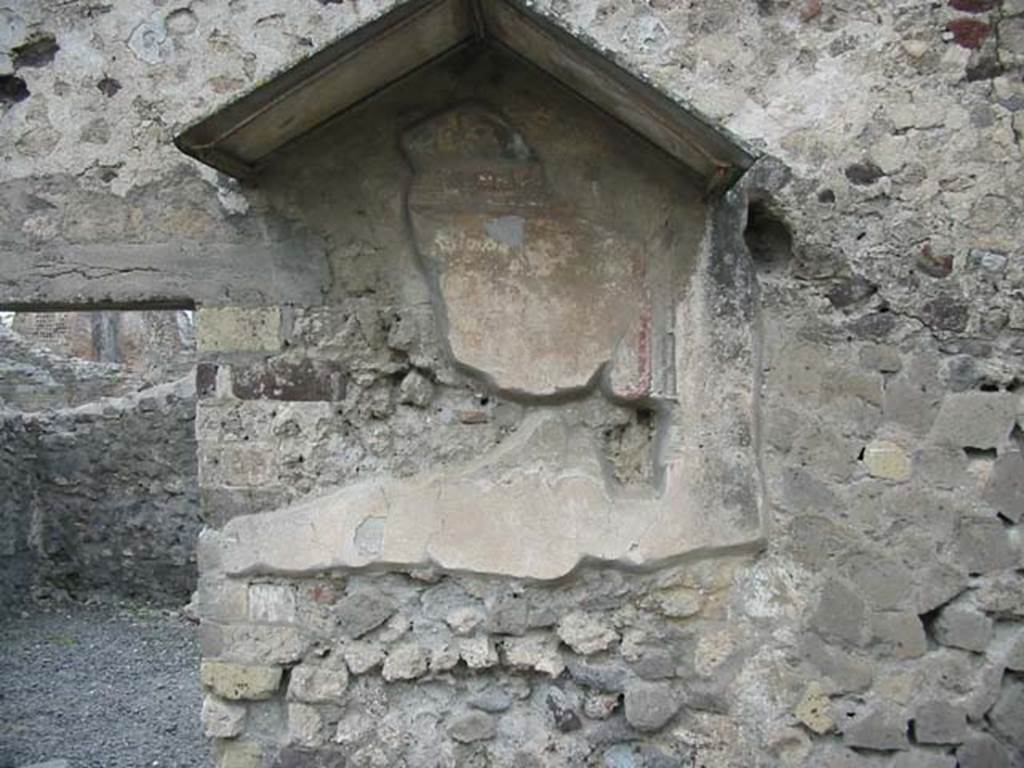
(222, 719)
(850, 291)
(464, 620)
(586, 634)
(862, 174)
(649, 706)
(405, 662)
(240, 681)
(937, 265)
(362, 657)
(416, 389)
(538, 652)
(887, 460)
(813, 709)
(472, 726)
(508, 616)
(305, 726)
(563, 710)
(963, 627)
(478, 652)
(444, 658)
(600, 706)
(494, 699)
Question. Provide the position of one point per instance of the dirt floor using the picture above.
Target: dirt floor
(110, 687)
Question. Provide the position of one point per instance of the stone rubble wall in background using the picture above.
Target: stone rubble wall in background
(102, 498)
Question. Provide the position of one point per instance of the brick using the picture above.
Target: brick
(303, 380)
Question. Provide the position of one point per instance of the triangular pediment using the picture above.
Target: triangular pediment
(240, 137)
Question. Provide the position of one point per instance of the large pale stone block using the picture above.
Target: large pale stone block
(534, 508)
(237, 329)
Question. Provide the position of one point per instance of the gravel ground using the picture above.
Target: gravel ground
(103, 687)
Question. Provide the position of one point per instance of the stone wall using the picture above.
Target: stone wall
(880, 625)
(155, 345)
(103, 498)
(33, 378)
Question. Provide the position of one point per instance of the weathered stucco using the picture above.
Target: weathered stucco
(881, 621)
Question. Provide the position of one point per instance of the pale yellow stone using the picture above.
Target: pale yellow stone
(812, 709)
(238, 329)
(887, 460)
(240, 681)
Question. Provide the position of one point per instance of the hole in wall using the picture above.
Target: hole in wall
(38, 52)
(629, 448)
(12, 89)
(768, 239)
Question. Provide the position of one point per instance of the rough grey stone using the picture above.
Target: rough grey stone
(901, 633)
(939, 722)
(1015, 652)
(649, 706)
(362, 657)
(879, 729)
(983, 546)
(1007, 716)
(881, 357)
(472, 726)
(975, 419)
(846, 673)
(963, 627)
(222, 719)
(363, 612)
(919, 758)
(603, 676)
(405, 662)
(1005, 487)
(840, 613)
(318, 684)
(982, 751)
(508, 617)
